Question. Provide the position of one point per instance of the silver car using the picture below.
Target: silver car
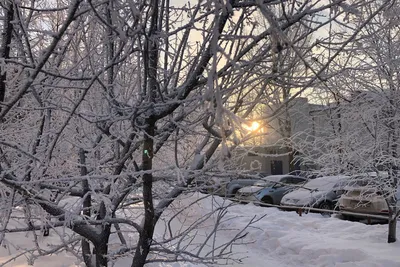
(367, 199)
(322, 193)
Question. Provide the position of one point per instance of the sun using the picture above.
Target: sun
(254, 126)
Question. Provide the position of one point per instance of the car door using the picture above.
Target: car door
(280, 189)
(290, 181)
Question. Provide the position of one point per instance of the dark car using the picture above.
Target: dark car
(241, 180)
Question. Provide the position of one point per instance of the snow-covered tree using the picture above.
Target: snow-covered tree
(112, 109)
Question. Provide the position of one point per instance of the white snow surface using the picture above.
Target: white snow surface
(279, 239)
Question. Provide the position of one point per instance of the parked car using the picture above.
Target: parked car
(246, 179)
(366, 198)
(215, 186)
(271, 190)
(306, 174)
(234, 186)
(320, 193)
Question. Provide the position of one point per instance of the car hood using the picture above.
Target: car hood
(303, 194)
(250, 189)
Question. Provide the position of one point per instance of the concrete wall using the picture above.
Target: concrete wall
(261, 159)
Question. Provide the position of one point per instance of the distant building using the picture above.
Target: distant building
(272, 153)
(271, 160)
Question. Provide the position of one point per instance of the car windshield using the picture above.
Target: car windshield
(269, 180)
(370, 182)
(325, 183)
(361, 183)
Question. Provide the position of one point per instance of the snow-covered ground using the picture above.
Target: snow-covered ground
(279, 239)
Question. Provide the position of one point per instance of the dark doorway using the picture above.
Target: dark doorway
(276, 167)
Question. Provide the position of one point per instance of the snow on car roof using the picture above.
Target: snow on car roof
(326, 182)
(276, 178)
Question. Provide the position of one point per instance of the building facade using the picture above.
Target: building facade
(275, 152)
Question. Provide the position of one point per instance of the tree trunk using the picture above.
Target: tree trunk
(146, 235)
(87, 255)
(392, 228)
(150, 71)
(5, 45)
(101, 249)
(292, 165)
(393, 171)
(87, 203)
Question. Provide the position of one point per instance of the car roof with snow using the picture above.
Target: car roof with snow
(327, 182)
(275, 178)
(245, 180)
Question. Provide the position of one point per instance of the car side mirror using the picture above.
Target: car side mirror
(277, 185)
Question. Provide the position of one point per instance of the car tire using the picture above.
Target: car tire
(325, 205)
(266, 200)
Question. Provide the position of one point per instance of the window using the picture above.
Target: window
(285, 180)
(294, 180)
